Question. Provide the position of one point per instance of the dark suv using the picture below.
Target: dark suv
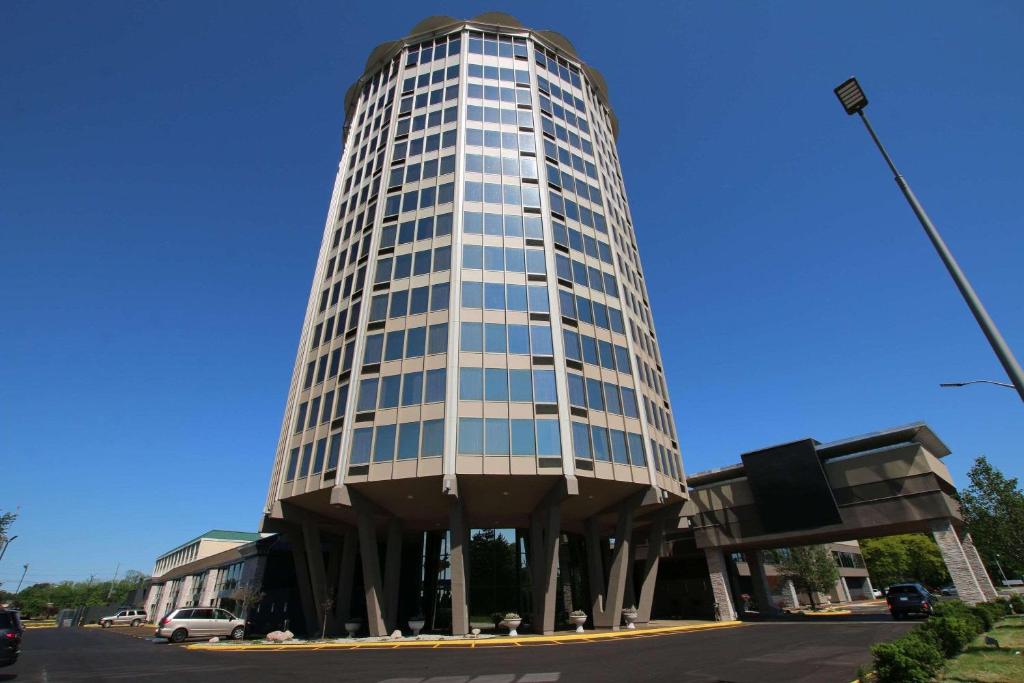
(10, 636)
(909, 598)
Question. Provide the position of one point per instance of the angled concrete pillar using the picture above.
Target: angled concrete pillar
(719, 575)
(762, 593)
(956, 562)
(595, 569)
(843, 590)
(868, 589)
(346, 575)
(458, 566)
(649, 575)
(611, 616)
(317, 577)
(787, 595)
(978, 567)
(371, 572)
(392, 574)
(544, 537)
(296, 542)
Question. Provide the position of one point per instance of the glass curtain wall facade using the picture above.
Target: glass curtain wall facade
(478, 330)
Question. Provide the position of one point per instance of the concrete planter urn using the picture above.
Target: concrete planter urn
(417, 624)
(578, 617)
(352, 627)
(630, 615)
(511, 622)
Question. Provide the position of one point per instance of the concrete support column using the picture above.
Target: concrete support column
(869, 590)
(430, 571)
(545, 526)
(843, 590)
(719, 575)
(762, 593)
(649, 575)
(956, 562)
(978, 567)
(317, 576)
(392, 574)
(371, 572)
(346, 575)
(595, 569)
(302, 581)
(611, 616)
(458, 566)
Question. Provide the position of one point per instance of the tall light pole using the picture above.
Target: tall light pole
(24, 571)
(4, 542)
(854, 101)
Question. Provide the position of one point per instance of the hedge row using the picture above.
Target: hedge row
(918, 655)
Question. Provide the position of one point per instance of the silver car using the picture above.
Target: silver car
(131, 617)
(200, 622)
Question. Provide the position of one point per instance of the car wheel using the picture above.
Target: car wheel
(238, 633)
(179, 635)
(136, 622)
(104, 624)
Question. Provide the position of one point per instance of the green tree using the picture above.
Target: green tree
(46, 598)
(993, 507)
(810, 568)
(904, 557)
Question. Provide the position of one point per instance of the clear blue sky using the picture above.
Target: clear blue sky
(165, 169)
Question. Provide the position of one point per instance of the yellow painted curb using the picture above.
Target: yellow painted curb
(530, 641)
(837, 613)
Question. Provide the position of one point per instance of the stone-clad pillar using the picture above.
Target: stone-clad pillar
(720, 583)
(459, 566)
(956, 562)
(978, 567)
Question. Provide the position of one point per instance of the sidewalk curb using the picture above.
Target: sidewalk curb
(469, 643)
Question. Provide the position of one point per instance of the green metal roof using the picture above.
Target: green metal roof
(217, 535)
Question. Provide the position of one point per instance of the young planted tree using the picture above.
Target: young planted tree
(246, 596)
(811, 569)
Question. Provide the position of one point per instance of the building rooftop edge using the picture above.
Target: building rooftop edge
(439, 24)
(216, 535)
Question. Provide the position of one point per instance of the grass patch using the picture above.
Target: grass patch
(981, 663)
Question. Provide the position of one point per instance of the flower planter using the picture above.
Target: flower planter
(352, 627)
(578, 621)
(630, 617)
(416, 625)
(512, 625)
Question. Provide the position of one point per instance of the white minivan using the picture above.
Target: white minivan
(200, 622)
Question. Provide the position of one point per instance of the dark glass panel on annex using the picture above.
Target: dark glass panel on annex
(790, 487)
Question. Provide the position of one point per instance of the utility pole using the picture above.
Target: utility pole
(110, 593)
(24, 571)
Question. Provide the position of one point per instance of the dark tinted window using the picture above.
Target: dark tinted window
(202, 614)
(184, 614)
(5, 620)
(903, 590)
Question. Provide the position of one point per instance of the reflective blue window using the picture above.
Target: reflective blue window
(408, 440)
(497, 436)
(472, 337)
(418, 301)
(367, 395)
(494, 296)
(516, 297)
(519, 339)
(539, 299)
(389, 387)
(620, 453)
(629, 402)
(577, 390)
(611, 396)
(436, 385)
(600, 441)
(496, 384)
(361, 440)
(523, 439)
(544, 386)
(437, 340)
(472, 294)
(395, 346)
(636, 450)
(471, 384)
(433, 438)
(414, 342)
(384, 444)
(412, 388)
(521, 385)
(540, 339)
(471, 435)
(595, 395)
(581, 440)
(472, 256)
(494, 336)
(549, 440)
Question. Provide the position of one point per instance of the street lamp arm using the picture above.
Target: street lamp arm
(978, 381)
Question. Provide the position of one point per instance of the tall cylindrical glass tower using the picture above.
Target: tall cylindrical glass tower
(478, 350)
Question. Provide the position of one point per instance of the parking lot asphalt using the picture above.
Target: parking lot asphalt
(771, 652)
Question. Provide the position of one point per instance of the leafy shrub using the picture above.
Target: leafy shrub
(914, 658)
(1017, 603)
(950, 633)
(985, 615)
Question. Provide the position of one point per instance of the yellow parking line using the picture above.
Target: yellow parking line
(529, 641)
